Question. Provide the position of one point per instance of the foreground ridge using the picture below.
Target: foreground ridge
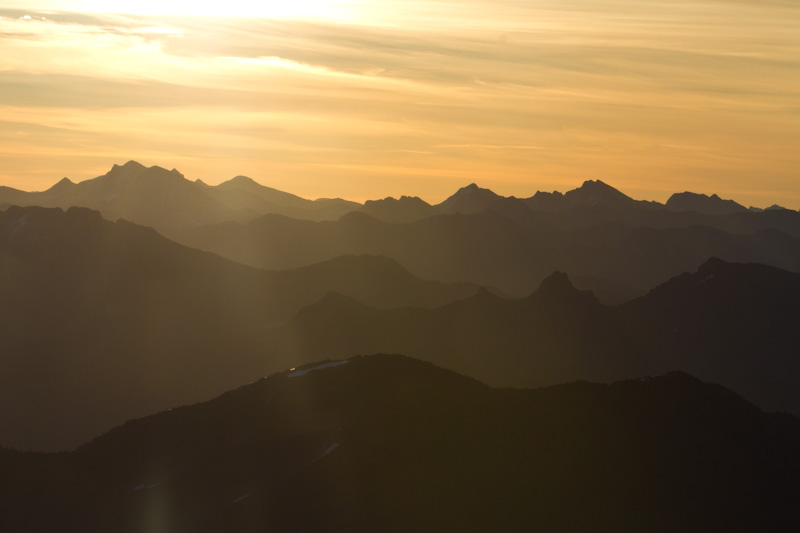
(391, 443)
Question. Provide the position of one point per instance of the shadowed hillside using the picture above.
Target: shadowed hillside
(103, 320)
(387, 443)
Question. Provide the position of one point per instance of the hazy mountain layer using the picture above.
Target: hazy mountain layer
(734, 324)
(101, 321)
(168, 202)
(632, 250)
(387, 443)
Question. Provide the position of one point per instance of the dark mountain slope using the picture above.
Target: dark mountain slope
(386, 443)
(734, 323)
(103, 320)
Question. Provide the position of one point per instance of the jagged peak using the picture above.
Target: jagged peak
(405, 200)
(557, 282)
(596, 184)
(545, 194)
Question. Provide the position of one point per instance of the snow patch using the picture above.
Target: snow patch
(299, 373)
(240, 498)
(710, 276)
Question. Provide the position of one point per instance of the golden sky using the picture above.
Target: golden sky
(364, 100)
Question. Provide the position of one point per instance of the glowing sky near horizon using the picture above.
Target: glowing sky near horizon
(370, 99)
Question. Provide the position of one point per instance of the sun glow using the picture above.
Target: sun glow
(331, 9)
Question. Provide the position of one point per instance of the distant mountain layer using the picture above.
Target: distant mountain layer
(593, 193)
(689, 201)
(603, 247)
(101, 321)
(734, 324)
(168, 202)
(387, 443)
(607, 241)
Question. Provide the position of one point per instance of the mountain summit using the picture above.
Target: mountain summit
(167, 201)
(469, 199)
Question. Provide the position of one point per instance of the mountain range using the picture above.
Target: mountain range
(618, 253)
(581, 361)
(388, 443)
(734, 324)
(101, 321)
(168, 202)
(608, 242)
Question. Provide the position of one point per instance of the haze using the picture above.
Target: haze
(366, 100)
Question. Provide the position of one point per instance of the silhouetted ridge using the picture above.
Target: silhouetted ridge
(240, 180)
(469, 199)
(594, 192)
(64, 183)
(702, 203)
(389, 443)
(405, 209)
(130, 167)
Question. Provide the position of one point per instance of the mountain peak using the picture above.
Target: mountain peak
(63, 183)
(130, 165)
(558, 288)
(596, 192)
(133, 171)
(469, 199)
(702, 203)
(242, 180)
(591, 192)
(588, 184)
(556, 283)
(404, 209)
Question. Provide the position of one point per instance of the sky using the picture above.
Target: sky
(364, 100)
